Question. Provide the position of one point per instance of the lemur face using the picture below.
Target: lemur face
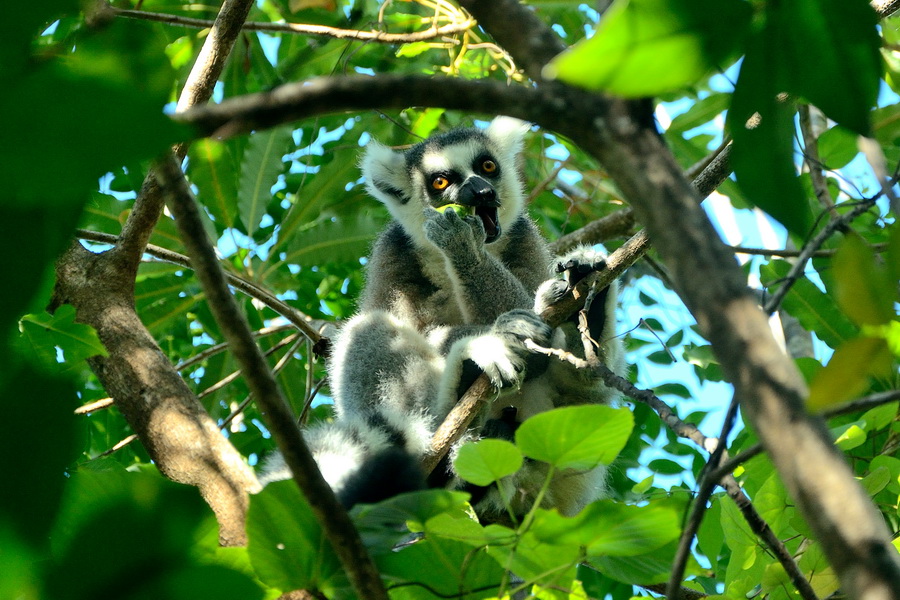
(467, 167)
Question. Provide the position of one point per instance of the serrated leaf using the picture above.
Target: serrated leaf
(847, 373)
(333, 240)
(608, 528)
(649, 47)
(576, 437)
(486, 461)
(261, 165)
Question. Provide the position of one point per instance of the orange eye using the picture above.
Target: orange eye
(488, 166)
(440, 183)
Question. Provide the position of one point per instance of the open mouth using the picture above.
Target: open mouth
(490, 220)
(488, 215)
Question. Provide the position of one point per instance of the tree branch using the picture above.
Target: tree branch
(179, 435)
(810, 248)
(297, 318)
(334, 519)
(383, 37)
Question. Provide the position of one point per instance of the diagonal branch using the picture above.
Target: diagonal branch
(334, 519)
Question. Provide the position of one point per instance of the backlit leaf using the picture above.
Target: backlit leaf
(576, 437)
(486, 461)
(847, 373)
(648, 47)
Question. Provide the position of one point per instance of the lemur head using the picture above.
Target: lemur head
(471, 167)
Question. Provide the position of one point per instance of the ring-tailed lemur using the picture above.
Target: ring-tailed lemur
(447, 297)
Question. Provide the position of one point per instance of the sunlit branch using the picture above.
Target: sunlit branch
(384, 37)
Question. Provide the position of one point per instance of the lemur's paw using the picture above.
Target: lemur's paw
(575, 266)
(502, 353)
(580, 262)
(452, 233)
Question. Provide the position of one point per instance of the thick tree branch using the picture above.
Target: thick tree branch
(179, 435)
(334, 519)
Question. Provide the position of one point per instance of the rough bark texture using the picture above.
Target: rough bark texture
(179, 435)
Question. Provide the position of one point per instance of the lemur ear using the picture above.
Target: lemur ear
(385, 173)
(508, 134)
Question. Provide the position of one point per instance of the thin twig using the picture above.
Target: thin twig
(94, 406)
(809, 249)
(865, 403)
(689, 431)
(383, 37)
(297, 318)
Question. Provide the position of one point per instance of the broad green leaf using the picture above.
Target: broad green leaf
(876, 480)
(608, 528)
(762, 124)
(534, 559)
(892, 464)
(837, 147)
(816, 310)
(847, 373)
(35, 480)
(287, 547)
(642, 569)
(44, 332)
(261, 165)
(445, 566)
(842, 36)
(576, 437)
(486, 461)
(212, 167)
(701, 112)
(864, 290)
(850, 436)
(819, 573)
(745, 568)
(710, 536)
(649, 47)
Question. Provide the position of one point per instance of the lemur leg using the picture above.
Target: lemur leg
(384, 379)
(579, 386)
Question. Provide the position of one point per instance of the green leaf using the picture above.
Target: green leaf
(486, 461)
(762, 124)
(850, 436)
(701, 112)
(332, 241)
(212, 168)
(864, 290)
(816, 310)
(452, 569)
(576, 437)
(533, 559)
(608, 528)
(261, 165)
(642, 569)
(650, 47)
(843, 38)
(42, 333)
(837, 147)
(876, 480)
(847, 373)
(287, 547)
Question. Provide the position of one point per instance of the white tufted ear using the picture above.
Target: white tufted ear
(385, 173)
(508, 134)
